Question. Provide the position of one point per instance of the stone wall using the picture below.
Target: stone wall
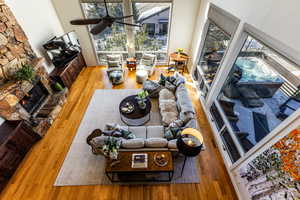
(14, 46)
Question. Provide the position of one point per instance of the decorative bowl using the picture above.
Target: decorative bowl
(161, 159)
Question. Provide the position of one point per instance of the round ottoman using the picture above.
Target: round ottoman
(116, 77)
(141, 76)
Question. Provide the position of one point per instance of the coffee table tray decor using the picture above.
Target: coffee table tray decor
(161, 159)
(127, 108)
(124, 172)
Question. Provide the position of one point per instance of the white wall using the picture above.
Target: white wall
(279, 19)
(38, 20)
(182, 25)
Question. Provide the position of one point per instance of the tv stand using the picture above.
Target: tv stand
(67, 74)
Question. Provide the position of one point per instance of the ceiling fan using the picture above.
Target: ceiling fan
(102, 23)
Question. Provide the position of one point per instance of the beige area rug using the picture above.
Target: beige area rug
(81, 167)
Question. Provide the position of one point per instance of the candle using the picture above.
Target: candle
(190, 143)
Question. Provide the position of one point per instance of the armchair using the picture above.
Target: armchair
(115, 69)
(147, 63)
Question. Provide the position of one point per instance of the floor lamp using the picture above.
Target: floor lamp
(189, 143)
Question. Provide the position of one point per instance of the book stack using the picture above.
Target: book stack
(139, 160)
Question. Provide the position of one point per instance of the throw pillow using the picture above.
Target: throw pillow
(172, 133)
(170, 86)
(127, 134)
(171, 79)
(162, 80)
(179, 79)
(165, 94)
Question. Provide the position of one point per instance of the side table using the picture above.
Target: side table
(131, 64)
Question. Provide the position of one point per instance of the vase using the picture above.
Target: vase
(142, 104)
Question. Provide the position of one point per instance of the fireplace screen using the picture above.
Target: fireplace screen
(36, 96)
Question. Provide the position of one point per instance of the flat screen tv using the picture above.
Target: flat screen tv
(63, 49)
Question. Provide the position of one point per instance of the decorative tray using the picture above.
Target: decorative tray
(160, 159)
(127, 108)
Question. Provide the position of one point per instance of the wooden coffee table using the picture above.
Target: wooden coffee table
(123, 172)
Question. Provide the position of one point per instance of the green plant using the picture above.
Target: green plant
(143, 94)
(26, 72)
(111, 148)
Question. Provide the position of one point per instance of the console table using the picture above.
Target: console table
(16, 139)
(67, 75)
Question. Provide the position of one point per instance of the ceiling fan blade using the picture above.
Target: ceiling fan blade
(100, 27)
(124, 17)
(128, 24)
(85, 21)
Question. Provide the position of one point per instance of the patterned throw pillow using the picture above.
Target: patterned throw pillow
(172, 133)
(127, 134)
(162, 80)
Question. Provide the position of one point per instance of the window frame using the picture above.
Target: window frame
(131, 33)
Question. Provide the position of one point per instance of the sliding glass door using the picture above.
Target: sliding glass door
(152, 37)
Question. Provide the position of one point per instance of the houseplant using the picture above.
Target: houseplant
(25, 73)
(111, 148)
(142, 98)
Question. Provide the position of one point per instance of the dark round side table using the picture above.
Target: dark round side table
(139, 116)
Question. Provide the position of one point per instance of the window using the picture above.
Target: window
(260, 92)
(151, 38)
(111, 40)
(215, 45)
(154, 37)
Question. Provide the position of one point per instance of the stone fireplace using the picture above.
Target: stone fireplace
(33, 101)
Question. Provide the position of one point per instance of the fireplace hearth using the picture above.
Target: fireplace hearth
(32, 101)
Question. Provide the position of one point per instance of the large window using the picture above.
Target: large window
(260, 92)
(215, 45)
(152, 37)
(111, 39)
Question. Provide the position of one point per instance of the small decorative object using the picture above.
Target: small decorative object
(111, 149)
(139, 160)
(57, 86)
(142, 98)
(160, 159)
(26, 73)
(127, 108)
(179, 50)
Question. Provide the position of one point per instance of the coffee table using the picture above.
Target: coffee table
(123, 172)
(138, 116)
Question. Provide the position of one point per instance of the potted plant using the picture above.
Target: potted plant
(142, 98)
(25, 73)
(111, 148)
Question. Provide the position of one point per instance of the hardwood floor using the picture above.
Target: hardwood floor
(35, 177)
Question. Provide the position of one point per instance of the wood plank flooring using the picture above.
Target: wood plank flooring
(35, 177)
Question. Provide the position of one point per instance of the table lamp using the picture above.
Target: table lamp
(189, 143)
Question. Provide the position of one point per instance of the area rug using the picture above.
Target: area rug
(81, 167)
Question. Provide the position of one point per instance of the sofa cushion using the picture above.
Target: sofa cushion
(156, 142)
(183, 99)
(133, 143)
(168, 106)
(146, 62)
(179, 79)
(172, 144)
(113, 64)
(138, 131)
(113, 58)
(166, 94)
(168, 117)
(155, 132)
(98, 142)
(247, 92)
